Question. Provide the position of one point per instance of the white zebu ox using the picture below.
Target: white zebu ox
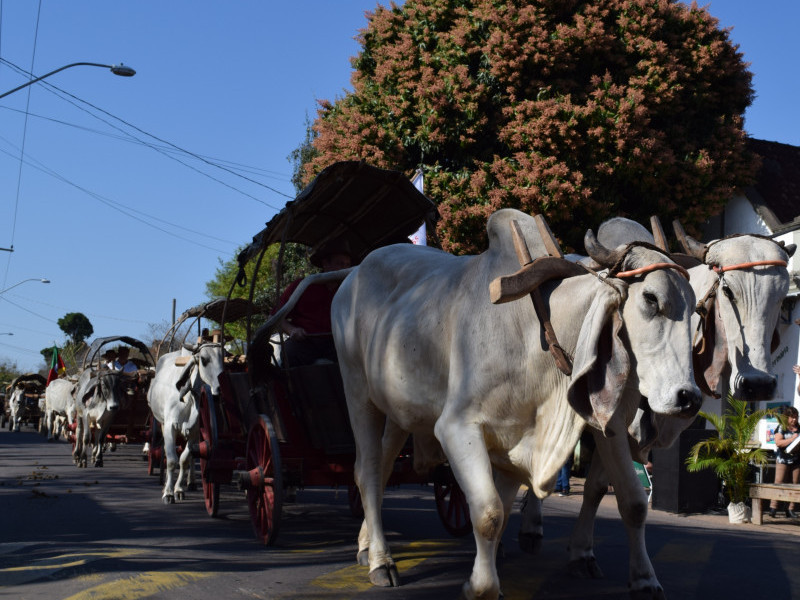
(21, 396)
(97, 398)
(59, 406)
(750, 271)
(412, 326)
(173, 396)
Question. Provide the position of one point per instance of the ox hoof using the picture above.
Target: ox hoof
(467, 594)
(362, 558)
(168, 499)
(98, 463)
(648, 593)
(530, 543)
(385, 576)
(180, 496)
(585, 568)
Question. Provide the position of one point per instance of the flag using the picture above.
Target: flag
(57, 366)
(419, 237)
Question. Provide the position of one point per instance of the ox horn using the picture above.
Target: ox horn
(658, 233)
(600, 254)
(690, 245)
(191, 347)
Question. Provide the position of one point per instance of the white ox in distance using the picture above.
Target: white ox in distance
(173, 396)
(59, 406)
(412, 326)
(97, 399)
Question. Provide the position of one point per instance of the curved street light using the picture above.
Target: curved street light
(120, 69)
(41, 279)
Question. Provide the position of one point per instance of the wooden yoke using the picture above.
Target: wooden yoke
(563, 361)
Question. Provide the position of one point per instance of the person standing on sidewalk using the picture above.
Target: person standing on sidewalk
(787, 464)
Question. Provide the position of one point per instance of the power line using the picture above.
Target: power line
(126, 211)
(56, 90)
(268, 173)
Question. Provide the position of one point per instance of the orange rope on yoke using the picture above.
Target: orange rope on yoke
(747, 265)
(654, 267)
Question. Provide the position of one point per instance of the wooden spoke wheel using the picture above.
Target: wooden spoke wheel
(208, 437)
(265, 492)
(354, 498)
(451, 503)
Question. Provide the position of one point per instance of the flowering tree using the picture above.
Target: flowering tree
(577, 110)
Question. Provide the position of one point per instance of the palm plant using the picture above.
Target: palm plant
(732, 453)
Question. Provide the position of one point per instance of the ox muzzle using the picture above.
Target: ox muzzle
(752, 386)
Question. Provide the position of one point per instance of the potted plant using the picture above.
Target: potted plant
(732, 453)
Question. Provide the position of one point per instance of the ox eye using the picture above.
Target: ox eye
(728, 293)
(651, 301)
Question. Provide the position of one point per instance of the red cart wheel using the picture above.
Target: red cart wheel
(155, 452)
(208, 437)
(354, 498)
(451, 503)
(265, 492)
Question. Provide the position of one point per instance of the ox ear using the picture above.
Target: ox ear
(87, 395)
(710, 354)
(601, 364)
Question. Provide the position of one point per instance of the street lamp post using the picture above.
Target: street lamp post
(120, 69)
(41, 279)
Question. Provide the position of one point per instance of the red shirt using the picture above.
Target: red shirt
(313, 311)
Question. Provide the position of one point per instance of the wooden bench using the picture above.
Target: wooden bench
(787, 492)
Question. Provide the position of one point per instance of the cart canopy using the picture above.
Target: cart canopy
(93, 352)
(367, 206)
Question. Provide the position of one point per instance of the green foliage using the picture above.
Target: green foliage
(301, 155)
(732, 453)
(267, 288)
(76, 326)
(8, 372)
(71, 353)
(577, 110)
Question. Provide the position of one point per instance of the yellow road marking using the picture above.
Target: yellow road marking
(47, 566)
(140, 586)
(355, 578)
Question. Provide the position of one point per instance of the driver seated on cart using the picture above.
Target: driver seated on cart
(308, 325)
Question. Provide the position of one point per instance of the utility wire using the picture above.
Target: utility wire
(55, 89)
(127, 212)
(130, 140)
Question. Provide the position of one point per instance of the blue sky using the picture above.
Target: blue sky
(121, 222)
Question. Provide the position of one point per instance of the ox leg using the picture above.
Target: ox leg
(582, 562)
(168, 495)
(632, 505)
(49, 423)
(393, 440)
(81, 442)
(531, 530)
(465, 448)
(369, 424)
(186, 473)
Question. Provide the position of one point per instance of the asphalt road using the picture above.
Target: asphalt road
(103, 534)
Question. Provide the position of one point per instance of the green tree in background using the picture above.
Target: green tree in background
(8, 372)
(267, 290)
(577, 110)
(76, 326)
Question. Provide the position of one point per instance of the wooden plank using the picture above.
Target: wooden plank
(788, 492)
